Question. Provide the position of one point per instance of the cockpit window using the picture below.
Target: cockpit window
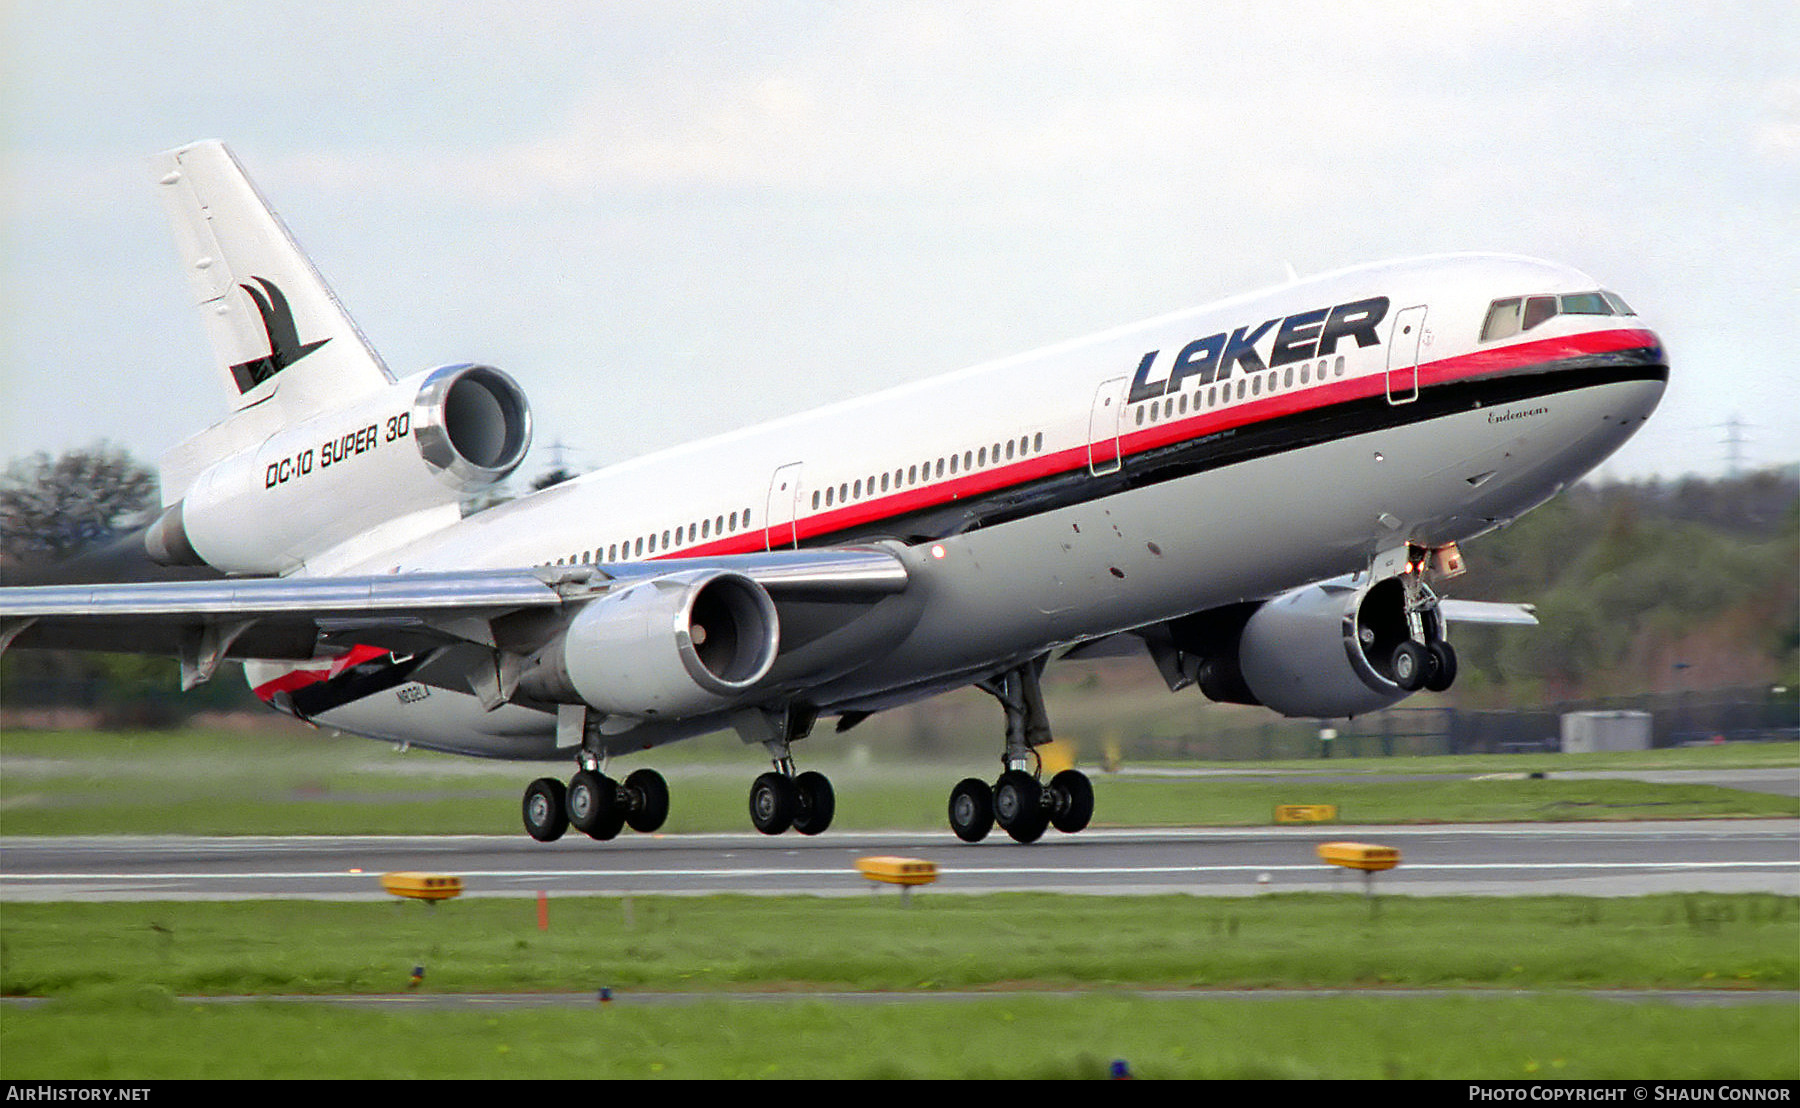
(1537, 310)
(1585, 303)
(1502, 319)
(1513, 314)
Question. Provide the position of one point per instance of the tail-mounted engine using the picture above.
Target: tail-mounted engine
(671, 647)
(415, 447)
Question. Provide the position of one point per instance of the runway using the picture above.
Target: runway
(1587, 859)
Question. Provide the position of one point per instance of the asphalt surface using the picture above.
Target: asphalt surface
(1590, 859)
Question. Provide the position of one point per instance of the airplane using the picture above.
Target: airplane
(1259, 494)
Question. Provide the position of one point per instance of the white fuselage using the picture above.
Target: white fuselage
(1205, 457)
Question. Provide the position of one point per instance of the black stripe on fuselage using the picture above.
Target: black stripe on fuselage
(1261, 439)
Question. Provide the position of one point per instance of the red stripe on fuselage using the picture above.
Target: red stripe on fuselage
(1492, 362)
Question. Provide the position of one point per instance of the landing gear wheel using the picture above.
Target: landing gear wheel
(972, 809)
(1410, 666)
(594, 807)
(546, 810)
(772, 803)
(1443, 666)
(817, 803)
(1074, 795)
(1019, 806)
(648, 796)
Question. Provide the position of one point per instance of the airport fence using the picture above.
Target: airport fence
(1677, 719)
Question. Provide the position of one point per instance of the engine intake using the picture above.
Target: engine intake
(1323, 651)
(671, 647)
(472, 425)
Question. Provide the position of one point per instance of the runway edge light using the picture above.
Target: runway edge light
(422, 886)
(1365, 857)
(1362, 856)
(904, 872)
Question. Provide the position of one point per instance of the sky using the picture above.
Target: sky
(671, 219)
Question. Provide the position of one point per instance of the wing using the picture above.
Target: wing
(502, 612)
(1488, 611)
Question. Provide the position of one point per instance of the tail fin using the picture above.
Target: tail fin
(284, 345)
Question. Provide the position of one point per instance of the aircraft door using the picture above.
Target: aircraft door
(784, 505)
(1103, 427)
(1403, 356)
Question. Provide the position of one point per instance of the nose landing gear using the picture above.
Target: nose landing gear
(1425, 660)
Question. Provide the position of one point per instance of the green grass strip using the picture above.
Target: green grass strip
(139, 1036)
(1000, 942)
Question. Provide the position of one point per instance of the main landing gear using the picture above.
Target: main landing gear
(782, 799)
(600, 807)
(595, 804)
(1019, 801)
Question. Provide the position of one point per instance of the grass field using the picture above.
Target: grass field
(1016, 1036)
(1069, 983)
(1001, 941)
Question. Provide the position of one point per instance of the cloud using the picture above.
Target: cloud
(1777, 137)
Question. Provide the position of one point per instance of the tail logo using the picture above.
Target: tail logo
(285, 347)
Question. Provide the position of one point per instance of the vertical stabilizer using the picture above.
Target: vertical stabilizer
(283, 344)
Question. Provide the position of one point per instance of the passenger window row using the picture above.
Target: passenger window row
(1255, 384)
(918, 473)
(670, 539)
(675, 538)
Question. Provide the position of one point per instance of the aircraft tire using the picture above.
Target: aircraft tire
(817, 803)
(546, 810)
(1442, 671)
(1019, 806)
(594, 807)
(1074, 801)
(1410, 665)
(649, 795)
(972, 809)
(772, 803)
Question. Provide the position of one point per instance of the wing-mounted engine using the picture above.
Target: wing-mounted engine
(382, 470)
(1327, 650)
(670, 647)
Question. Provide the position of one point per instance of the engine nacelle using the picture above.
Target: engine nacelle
(412, 448)
(1326, 650)
(671, 647)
